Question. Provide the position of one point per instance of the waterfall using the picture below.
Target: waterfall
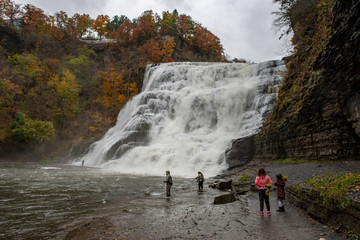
(186, 116)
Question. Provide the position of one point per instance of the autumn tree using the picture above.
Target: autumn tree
(167, 50)
(185, 26)
(34, 19)
(66, 92)
(99, 25)
(125, 33)
(8, 105)
(207, 42)
(113, 89)
(3, 6)
(144, 27)
(80, 24)
(168, 23)
(61, 21)
(151, 52)
(50, 67)
(11, 11)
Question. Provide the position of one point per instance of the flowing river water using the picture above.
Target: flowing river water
(37, 200)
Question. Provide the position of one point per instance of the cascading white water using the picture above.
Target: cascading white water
(186, 116)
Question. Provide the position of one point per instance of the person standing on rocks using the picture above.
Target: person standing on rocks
(200, 179)
(264, 184)
(280, 191)
(168, 182)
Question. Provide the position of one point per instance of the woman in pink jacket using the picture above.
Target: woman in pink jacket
(264, 183)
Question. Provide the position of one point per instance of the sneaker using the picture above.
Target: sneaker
(268, 213)
(261, 213)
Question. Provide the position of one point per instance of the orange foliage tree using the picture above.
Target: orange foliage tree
(35, 19)
(125, 32)
(151, 51)
(99, 24)
(145, 26)
(81, 24)
(113, 88)
(207, 42)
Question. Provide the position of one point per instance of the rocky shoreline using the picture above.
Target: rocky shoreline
(192, 215)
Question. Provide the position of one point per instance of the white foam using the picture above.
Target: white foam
(193, 112)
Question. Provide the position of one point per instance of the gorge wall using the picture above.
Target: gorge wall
(325, 125)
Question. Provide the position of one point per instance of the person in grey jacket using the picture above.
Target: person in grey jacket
(168, 182)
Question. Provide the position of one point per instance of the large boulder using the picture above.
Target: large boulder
(241, 152)
(225, 185)
(223, 199)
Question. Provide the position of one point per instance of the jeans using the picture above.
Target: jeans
(262, 197)
(200, 184)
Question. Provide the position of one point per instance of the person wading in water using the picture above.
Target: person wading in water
(168, 182)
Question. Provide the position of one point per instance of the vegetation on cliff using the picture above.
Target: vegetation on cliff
(61, 87)
(310, 23)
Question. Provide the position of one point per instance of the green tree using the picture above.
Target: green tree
(84, 68)
(26, 130)
(27, 69)
(116, 22)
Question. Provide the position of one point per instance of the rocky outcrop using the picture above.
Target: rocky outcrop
(326, 123)
(328, 213)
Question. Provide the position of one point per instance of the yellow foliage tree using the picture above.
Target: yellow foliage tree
(167, 50)
(66, 92)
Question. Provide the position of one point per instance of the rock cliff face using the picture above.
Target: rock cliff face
(327, 123)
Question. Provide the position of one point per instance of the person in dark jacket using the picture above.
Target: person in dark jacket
(168, 182)
(200, 180)
(280, 191)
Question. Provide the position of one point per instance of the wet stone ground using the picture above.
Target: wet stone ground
(192, 215)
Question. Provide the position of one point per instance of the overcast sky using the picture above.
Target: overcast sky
(243, 26)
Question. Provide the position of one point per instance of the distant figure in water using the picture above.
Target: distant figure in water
(82, 163)
(200, 179)
(264, 184)
(168, 182)
(280, 191)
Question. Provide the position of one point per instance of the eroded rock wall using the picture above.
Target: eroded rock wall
(326, 125)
